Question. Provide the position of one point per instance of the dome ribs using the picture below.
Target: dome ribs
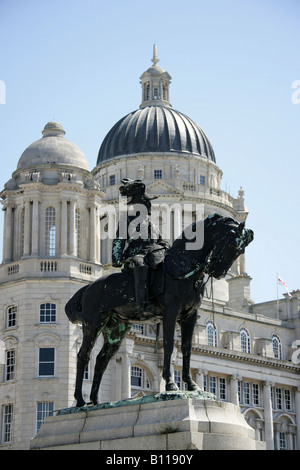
(155, 129)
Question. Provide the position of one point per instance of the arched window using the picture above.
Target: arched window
(11, 316)
(277, 347)
(50, 231)
(139, 378)
(211, 333)
(77, 233)
(245, 340)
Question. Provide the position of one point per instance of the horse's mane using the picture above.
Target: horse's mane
(191, 249)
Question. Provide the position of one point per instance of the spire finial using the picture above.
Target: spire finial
(155, 59)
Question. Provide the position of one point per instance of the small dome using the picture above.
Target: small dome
(53, 148)
(155, 129)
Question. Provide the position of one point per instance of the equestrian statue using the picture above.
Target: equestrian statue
(157, 283)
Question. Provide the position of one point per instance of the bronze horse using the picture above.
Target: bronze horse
(108, 305)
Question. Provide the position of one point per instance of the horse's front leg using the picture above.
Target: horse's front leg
(187, 330)
(113, 335)
(169, 322)
(83, 357)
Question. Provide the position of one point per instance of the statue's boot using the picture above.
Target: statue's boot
(141, 287)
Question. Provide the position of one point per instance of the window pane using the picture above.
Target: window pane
(10, 365)
(11, 318)
(46, 361)
(47, 313)
(136, 376)
(7, 423)
(44, 409)
(50, 232)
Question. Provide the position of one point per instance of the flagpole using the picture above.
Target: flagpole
(277, 300)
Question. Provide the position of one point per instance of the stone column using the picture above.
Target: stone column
(72, 227)
(92, 233)
(242, 259)
(116, 378)
(297, 409)
(200, 373)
(64, 228)
(35, 228)
(268, 414)
(27, 228)
(234, 393)
(126, 376)
(8, 235)
(290, 439)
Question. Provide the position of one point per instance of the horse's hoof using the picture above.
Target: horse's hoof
(80, 403)
(171, 387)
(192, 386)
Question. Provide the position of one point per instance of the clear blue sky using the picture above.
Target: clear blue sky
(232, 64)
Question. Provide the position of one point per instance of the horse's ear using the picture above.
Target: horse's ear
(241, 227)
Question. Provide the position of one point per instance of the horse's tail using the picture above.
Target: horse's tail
(73, 307)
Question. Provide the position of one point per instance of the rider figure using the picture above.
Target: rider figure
(143, 247)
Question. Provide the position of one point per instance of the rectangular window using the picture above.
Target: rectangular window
(205, 383)
(202, 179)
(50, 231)
(287, 400)
(7, 423)
(255, 394)
(10, 363)
(46, 361)
(43, 410)
(278, 392)
(246, 391)
(138, 328)
(157, 174)
(136, 376)
(222, 388)
(282, 441)
(212, 385)
(112, 180)
(47, 313)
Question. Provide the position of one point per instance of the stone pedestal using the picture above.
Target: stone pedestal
(164, 421)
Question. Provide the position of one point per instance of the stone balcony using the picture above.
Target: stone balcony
(30, 268)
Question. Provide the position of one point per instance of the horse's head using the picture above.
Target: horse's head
(132, 187)
(135, 190)
(230, 239)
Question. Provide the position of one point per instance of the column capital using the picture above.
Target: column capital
(268, 383)
(235, 376)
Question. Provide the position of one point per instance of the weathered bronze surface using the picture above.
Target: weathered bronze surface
(168, 289)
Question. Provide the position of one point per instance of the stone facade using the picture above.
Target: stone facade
(58, 215)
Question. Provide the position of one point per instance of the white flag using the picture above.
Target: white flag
(284, 284)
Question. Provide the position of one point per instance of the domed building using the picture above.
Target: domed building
(174, 158)
(60, 220)
(51, 207)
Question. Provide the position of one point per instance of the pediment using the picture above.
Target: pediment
(161, 187)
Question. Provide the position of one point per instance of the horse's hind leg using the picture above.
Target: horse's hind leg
(187, 330)
(89, 337)
(169, 322)
(113, 333)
